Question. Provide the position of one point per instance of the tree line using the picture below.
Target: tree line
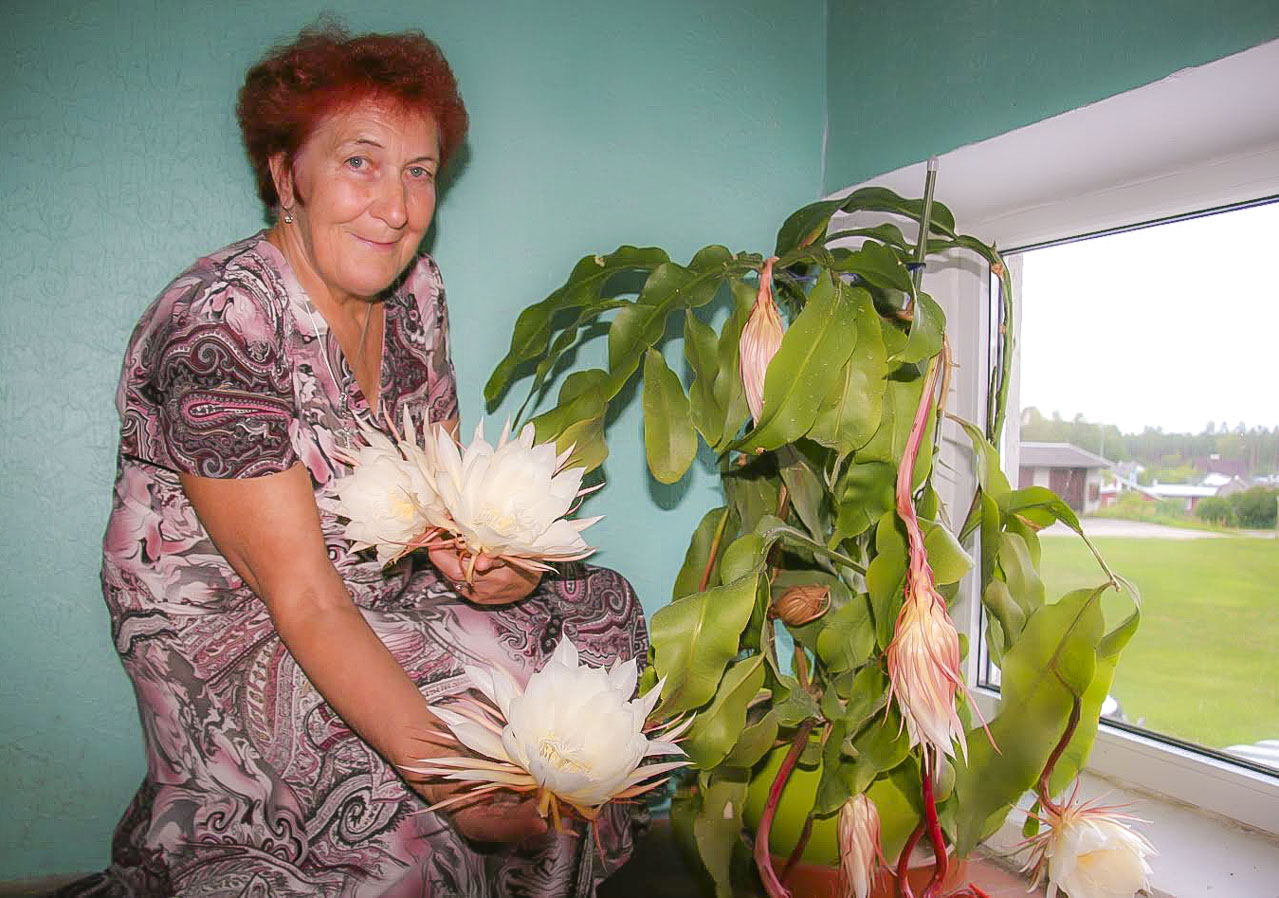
(1168, 457)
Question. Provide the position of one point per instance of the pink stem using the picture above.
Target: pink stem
(940, 860)
(903, 863)
(763, 861)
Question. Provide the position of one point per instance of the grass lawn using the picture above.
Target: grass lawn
(1204, 665)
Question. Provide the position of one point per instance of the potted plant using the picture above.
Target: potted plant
(808, 632)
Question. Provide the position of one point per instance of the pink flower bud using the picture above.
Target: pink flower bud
(860, 854)
(923, 667)
(760, 340)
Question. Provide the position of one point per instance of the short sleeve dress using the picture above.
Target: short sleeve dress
(254, 786)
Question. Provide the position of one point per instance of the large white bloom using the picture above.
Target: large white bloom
(1088, 852)
(510, 500)
(573, 734)
(389, 499)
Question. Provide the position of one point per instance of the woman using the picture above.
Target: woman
(280, 676)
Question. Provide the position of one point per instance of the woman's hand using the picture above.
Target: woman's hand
(495, 582)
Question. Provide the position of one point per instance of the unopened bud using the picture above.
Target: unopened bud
(800, 605)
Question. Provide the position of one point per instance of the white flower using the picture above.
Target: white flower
(860, 854)
(1088, 852)
(510, 500)
(389, 499)
(573, 734)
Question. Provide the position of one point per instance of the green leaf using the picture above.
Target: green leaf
(1005, 611)
(695, 637)
(849, 416)
(865, 493)
(878, 748)
(729, 391)
(886, 576)
(716, 730)
(901, 401)
(807, 492)
(771, 529)
(865, 697)
(533, 327)
(717, 829)
(925, 336)
(577, 419)
(642, 323)
(848, 638)
(701, 351)
(986, 462)
(1019, 572)
(1040, 498)
(946, 556)
(1055, 659)
(879, 266)
(689, 578)
(794, 705)
(806, 367)
(1075, 756)
(805, 226)
(754, 742)
(744, 555)
(753, 491)
(881, 199)
(669, 439)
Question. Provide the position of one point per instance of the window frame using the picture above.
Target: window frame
(1094, 172)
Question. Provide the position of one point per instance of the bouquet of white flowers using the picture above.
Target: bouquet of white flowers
(421, 489)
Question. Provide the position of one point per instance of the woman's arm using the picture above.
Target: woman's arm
(268, 528)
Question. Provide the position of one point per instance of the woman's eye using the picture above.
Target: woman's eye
(420, 172)
(356, 162)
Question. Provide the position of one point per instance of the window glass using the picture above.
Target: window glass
(1149, 400)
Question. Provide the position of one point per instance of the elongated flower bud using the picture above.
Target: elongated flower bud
(800, 605)
(860, 854)
(923, 667)
(923, 658)
(761, 338)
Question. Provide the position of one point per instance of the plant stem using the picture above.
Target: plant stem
(941, 863)
(802, 843)
(1043, 789)
(763, 861)
(903, 862)
(714, 551)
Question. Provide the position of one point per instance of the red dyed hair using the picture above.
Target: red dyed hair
(288, 93)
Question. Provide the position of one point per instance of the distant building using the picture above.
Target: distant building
(1070, 472)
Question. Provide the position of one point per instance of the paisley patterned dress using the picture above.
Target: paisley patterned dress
(254, 786)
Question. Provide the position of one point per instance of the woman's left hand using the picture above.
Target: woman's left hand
(495, 582)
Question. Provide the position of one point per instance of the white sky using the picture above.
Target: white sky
(1172, 326)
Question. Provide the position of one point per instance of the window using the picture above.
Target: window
(1147, 404)
(1131, 159)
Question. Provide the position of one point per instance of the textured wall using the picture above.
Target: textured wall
(594, 124)
(907, 80)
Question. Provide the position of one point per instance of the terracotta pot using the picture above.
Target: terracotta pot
(820, 881)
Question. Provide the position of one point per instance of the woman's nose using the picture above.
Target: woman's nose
(392, 206)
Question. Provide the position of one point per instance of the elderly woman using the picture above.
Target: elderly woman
(282, 678)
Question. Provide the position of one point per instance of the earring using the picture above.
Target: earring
(288, 217)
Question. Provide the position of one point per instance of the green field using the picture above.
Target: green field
(1204, 666)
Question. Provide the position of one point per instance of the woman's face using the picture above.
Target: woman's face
(362, 194)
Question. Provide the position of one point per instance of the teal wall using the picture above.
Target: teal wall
(676, 122)
(594, 123)
(913, 79)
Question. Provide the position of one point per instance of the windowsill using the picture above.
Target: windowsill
(1199, 853)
